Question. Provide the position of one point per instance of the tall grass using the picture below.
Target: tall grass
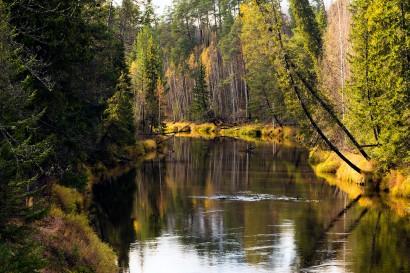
(70, 244)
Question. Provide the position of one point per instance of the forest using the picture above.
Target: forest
(80, 81)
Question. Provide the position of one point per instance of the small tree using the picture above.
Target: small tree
(200, 102)
(118, 121)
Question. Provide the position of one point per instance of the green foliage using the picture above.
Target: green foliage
(118, 121)
(379, 88)
(21, 159)
(74, 179)
(146, 73)
(320, 13)
(308, 27)
(265, 97)
(200, 100)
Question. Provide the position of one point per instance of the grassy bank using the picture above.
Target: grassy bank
(69, 242)
(245, 131)
(396, 182)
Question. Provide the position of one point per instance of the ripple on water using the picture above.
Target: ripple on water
(253, 197)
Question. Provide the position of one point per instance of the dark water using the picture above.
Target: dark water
(227, 205)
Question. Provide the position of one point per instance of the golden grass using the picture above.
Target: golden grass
(205, 128)
(69, 242)
(399, 184)
(68, 199)
(329, 162)
(258, 131)
(72, 246)
(177, 127)
(325, 162)
(245, 131)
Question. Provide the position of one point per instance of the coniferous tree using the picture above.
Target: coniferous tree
(200, 98)
(22, 158)
(129, 22)
(308, 27)
(118, 122)
(379, 87)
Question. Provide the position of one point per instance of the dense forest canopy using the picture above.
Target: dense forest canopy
(79, 79)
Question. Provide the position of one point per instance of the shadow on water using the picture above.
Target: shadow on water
(228, 205)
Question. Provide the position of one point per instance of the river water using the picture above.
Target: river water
(226, 205)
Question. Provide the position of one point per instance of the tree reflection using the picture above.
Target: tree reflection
(308, 225)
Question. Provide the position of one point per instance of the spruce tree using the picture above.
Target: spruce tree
(380, 90)
(200, 96)
(22, 158)
(308, 26)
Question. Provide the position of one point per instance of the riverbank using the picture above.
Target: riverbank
(394, 182)
(67, 238)
(246, 131)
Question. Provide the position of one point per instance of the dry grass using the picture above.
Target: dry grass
(399, 184)
(177, 127)
(205, 128)
(69, 242)
(329, 162)
(325, 162)
(72, 246)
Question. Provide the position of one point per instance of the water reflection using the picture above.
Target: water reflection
(213, 206)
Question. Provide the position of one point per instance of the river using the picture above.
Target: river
(229, 206)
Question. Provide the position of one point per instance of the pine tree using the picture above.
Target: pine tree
(200, 99)
(308, 27)
(118, 121)
(21, 161)
(320, 13)
(380, 78)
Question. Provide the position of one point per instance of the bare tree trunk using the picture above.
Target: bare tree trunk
(109, 15)
(342, 59)
(246, 99)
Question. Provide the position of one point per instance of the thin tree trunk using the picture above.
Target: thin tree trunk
(109, 15)
(342, 60)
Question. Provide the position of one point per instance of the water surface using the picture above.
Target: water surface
(227, 205)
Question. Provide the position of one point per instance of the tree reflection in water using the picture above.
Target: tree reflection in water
(167, 215)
